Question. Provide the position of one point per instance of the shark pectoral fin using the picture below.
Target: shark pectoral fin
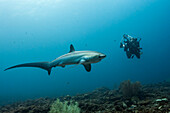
(71, 48)
(87, 67)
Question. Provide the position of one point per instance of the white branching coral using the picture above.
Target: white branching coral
(64, 107)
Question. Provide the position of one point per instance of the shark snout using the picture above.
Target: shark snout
(102, 56)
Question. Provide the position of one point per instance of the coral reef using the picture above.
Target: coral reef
(129, 89)
(41, 105)
(64, 107)
(153, 99)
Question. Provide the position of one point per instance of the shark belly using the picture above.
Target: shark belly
(70, 60)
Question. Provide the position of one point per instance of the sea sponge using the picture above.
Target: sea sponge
(64, 107)
(129, 89)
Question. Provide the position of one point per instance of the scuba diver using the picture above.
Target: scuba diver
(131, 46)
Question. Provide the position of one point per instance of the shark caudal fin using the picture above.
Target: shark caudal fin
(42, 65)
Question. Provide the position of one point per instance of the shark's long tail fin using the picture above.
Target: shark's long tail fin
(42, 65)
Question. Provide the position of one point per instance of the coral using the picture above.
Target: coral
(64, 107)
(129, 89)
(155, 99)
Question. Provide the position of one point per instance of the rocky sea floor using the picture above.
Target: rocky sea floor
(152, 98)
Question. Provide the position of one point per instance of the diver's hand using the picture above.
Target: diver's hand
(121, 45)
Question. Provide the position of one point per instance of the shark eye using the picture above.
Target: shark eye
(100, 57)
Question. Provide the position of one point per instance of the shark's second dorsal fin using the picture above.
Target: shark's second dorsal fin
(71, 48)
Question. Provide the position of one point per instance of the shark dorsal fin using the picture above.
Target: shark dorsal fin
(71, 48)
(87, 67)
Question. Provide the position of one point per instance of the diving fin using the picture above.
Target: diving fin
(87, 67)
(42, 65)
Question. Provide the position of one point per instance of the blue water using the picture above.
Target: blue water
(42, 30)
